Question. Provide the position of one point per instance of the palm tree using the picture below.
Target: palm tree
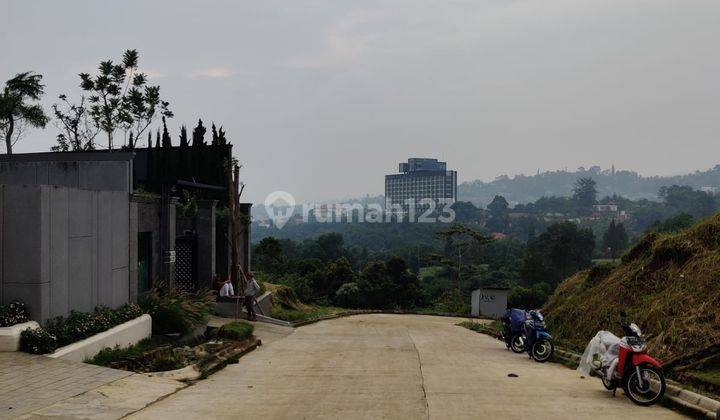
(15, 112)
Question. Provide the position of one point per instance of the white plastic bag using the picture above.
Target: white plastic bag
(605, 345)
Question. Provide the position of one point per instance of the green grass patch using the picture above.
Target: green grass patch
(491, 328)
(108, 355)
(236, 330)
(710, 373)
(295, 315)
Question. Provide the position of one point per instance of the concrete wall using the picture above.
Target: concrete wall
(88, 175)
(490, 303)
(63, 248)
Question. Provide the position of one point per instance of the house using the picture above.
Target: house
(81, 229)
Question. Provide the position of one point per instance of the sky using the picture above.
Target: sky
(323, 98)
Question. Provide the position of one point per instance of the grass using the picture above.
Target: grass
(305, 314)
(491, 328)
(108, 356)
(709, 373)
(236, 330)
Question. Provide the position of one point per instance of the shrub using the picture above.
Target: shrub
(348, 295)
(236, 331)
(165, 363)
(453, 301)
(177, 312)
(107, 356)
(81, 325)
(13, 313)
(37, 341)
(529, 297)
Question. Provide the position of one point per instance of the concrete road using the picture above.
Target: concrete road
(394, 367)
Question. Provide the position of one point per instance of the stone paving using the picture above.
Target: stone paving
(29, 382)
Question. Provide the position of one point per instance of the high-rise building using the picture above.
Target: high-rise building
(421, 183)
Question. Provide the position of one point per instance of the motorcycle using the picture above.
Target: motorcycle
(625, 362)
(538, 341)
(513, 329)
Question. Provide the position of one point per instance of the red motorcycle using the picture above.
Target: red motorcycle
(640, 375)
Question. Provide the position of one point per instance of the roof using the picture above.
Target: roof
(93, 155)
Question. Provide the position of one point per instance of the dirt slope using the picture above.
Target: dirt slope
(669, 284)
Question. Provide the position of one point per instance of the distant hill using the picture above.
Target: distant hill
(667, 284)
(525, 189)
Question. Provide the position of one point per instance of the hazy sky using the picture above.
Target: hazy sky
(322, 98)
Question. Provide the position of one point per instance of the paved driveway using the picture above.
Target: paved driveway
(394, 367)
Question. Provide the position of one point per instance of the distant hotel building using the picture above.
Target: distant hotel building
(420, 180)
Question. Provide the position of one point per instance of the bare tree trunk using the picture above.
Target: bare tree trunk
(8, 136)
(233, 210)
(239, 273)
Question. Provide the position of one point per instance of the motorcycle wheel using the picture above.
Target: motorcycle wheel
(542, 350)
(653, 389)
(517, 343)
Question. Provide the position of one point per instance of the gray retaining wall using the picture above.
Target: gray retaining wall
(63, 248)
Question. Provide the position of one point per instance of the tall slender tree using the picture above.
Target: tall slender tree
(183, 137)
(16, 108)
(166, 141)
(585, 194)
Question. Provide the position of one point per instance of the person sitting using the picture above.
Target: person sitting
(225, 287)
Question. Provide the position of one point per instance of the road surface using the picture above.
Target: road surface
(394, 367)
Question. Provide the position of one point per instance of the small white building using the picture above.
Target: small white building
(489, 302)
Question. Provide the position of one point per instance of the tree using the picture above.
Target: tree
(557, 253)
(463, 248)
(183, 137)
(585, 193)
(78, 129)
(672, 224)
(16, 113)
(214, 135)
(335, 274)
(498, 207)
(166, 141)
(120, 97)
(268, 256)
(386, 285)
(615, 239)
(330, 246)
(684, 199)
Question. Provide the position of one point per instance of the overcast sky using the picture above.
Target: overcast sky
(322, 98)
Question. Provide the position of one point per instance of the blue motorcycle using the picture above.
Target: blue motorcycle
(514, 329)
(538, 341)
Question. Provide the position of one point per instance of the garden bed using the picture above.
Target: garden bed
(84, 327)
(164, 356)
(123, 335)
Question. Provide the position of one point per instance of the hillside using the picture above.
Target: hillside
(669, 284)
(629, 184)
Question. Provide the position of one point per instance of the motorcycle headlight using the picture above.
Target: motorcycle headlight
(638, 348)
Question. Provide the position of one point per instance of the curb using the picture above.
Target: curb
(698, 405)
